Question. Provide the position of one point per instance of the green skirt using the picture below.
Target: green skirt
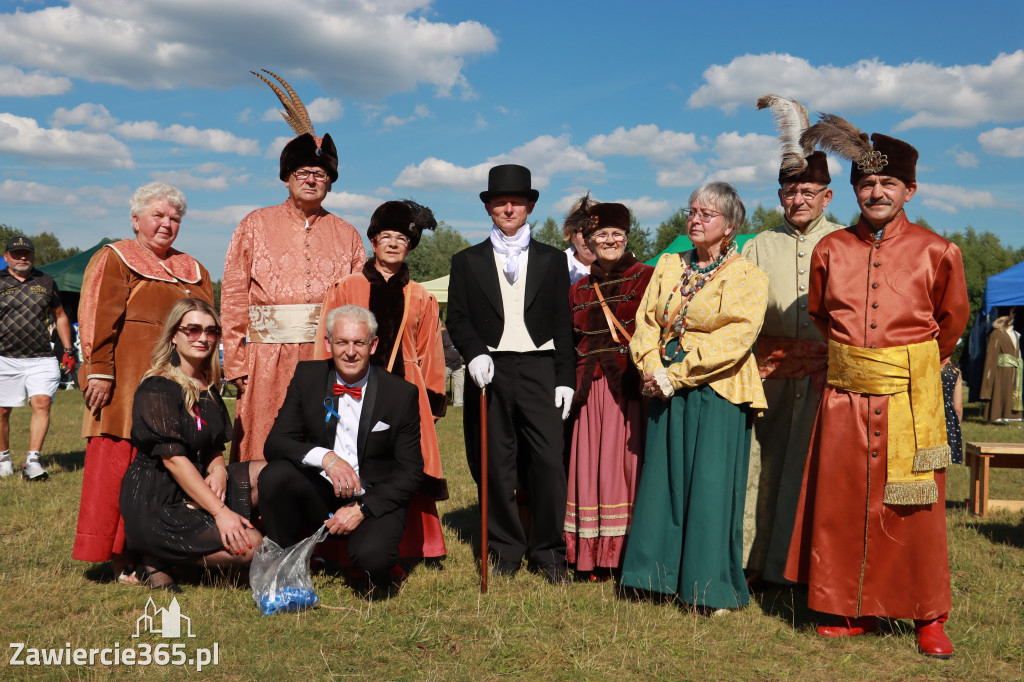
(687, 533)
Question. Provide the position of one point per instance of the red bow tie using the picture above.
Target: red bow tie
(354, 391)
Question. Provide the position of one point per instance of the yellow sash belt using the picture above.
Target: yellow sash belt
(910, 376)
(295, 323)
(1007, 360)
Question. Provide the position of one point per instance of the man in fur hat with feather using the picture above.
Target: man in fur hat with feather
(791, 353)
(278, 267)
(891, 299)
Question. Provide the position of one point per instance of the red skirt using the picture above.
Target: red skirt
(100, 531)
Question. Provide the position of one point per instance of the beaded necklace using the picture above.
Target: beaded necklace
(692, 280)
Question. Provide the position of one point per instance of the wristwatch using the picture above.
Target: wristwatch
(362, 508)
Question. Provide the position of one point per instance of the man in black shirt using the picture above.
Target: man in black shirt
(27, 365)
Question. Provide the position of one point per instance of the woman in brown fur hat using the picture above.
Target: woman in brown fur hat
(410, 346)
(607, 433)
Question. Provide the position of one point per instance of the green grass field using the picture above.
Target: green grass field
(440, 627)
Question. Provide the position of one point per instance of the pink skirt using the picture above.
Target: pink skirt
(604, 472)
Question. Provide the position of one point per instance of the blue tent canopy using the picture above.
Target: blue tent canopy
(1005, 288)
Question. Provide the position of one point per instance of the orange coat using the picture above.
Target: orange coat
(126, 295)
(421, 353)
(861, 557)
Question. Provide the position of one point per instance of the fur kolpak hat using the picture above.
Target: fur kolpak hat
(607, 215)
(800, 163)
(306, 149)
(882, 155)
(404, 216)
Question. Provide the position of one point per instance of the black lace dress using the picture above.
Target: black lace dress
(159, 518)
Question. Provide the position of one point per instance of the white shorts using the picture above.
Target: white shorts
(35, 376)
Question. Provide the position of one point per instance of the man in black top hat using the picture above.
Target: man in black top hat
(508, 315)
(28, 298)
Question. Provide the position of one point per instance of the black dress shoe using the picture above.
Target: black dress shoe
(556, 575)
(505, 568)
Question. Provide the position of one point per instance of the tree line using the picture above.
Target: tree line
(48, 248)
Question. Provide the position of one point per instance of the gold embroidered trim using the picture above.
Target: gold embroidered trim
(910, 492)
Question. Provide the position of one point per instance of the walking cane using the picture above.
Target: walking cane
(483, 490)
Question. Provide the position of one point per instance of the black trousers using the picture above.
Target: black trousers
(294, 497)
(524, 433)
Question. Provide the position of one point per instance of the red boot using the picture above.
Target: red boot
(931, 638)
(849, 627)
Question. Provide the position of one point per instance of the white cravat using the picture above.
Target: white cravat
(346, 436)
(511, 248)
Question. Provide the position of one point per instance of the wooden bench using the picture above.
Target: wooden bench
(981, 457)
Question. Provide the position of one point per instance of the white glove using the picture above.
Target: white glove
(481, 370)
(563, 399)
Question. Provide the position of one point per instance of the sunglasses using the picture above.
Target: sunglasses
(193, 331)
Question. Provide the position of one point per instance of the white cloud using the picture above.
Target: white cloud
(952, 198)
(90, 116)
(226, 215)
(1003, 141)
(686, 173)
(433, 174)
(361, 48)
(320, 110)
(750, 158)
(660, 146)
(964, 158)
(645, 207)
(545, 156)
(22, 137)
(212, 139)
(934, 95)
(346, 201)
(22, 192)
(209, 179)
(419, 112)
(16, 83)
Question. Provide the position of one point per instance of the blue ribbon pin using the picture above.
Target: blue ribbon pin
(329, 404)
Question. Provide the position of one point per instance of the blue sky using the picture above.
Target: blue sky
(637, 102)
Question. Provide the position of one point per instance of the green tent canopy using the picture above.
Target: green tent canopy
(683, 243)
(68, 273)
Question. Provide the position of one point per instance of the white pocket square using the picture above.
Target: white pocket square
(380, 426)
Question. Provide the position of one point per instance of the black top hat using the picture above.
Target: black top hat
(305, 151)
(20, 243)
(509, 179)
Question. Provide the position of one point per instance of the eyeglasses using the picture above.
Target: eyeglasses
(193, 331)
(394, 238)
(303, 174)
(701, 214)
(807, 194)
(609, 236)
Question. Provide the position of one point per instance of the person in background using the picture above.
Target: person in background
(453, 368)
(578, 255)
(127, 291)
(28, 298)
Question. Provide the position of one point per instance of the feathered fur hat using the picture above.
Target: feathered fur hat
(405, 216)
(307, 149)
(800, 163)
(588, 216)
(882, 155)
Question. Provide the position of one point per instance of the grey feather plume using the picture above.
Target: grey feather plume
(295, 114)
(791, 120)
(838, 136)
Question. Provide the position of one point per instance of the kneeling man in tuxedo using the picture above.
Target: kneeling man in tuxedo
(345, 442)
